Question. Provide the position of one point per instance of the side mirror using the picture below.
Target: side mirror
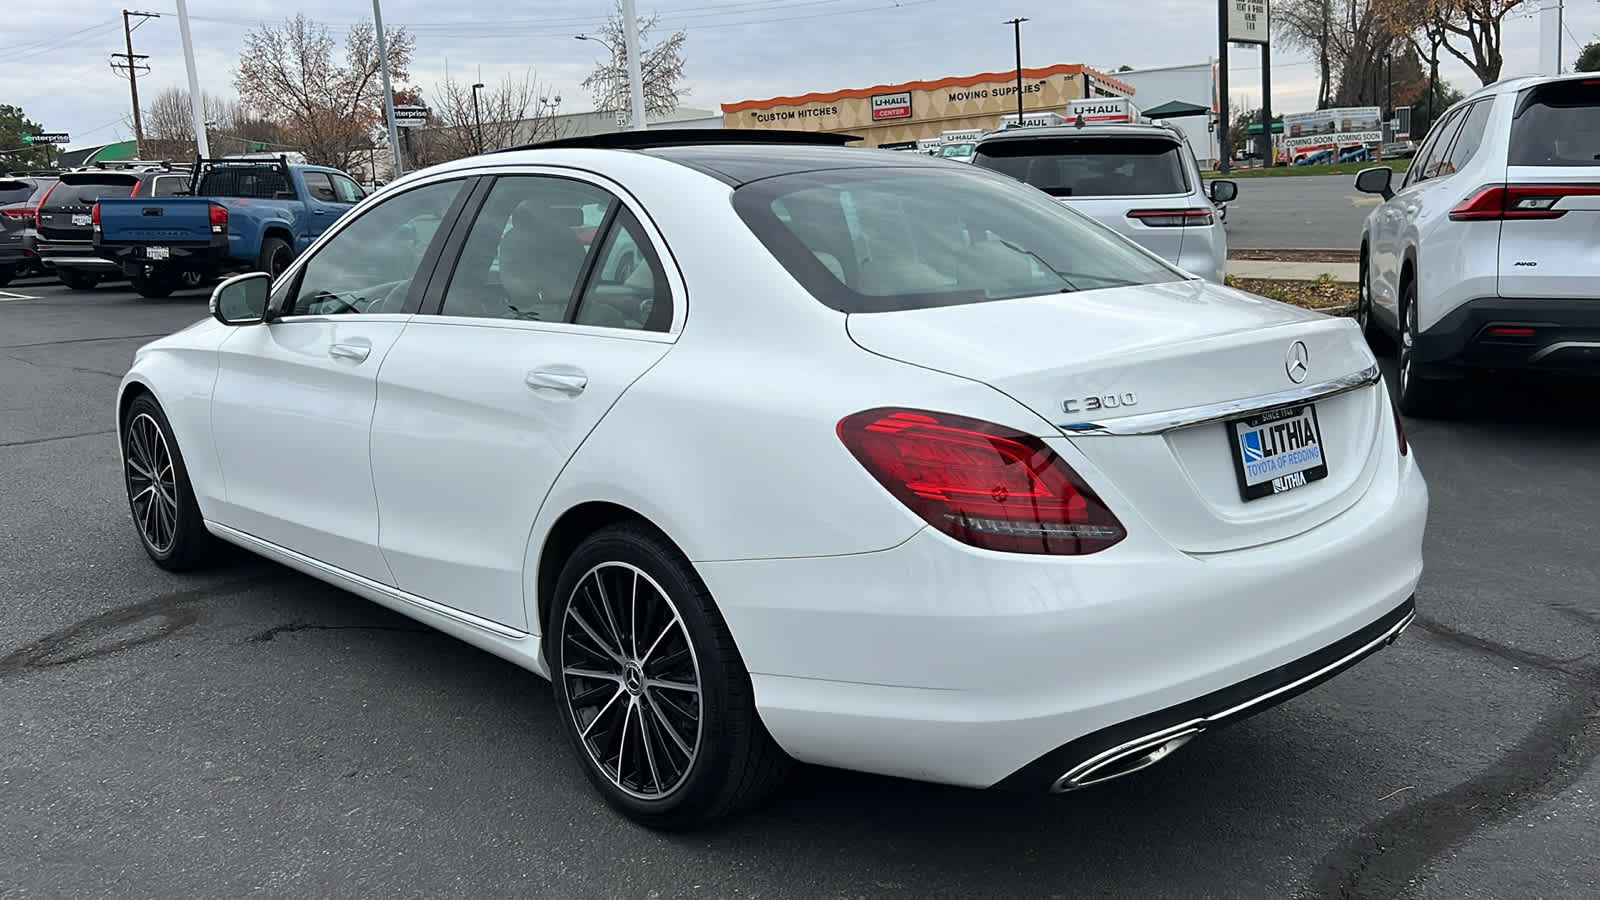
(242, 299)
(1223, 191)
(1375, 181)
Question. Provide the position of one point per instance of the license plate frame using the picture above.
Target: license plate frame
(157, 252)
(82, 219)
(1254, 460)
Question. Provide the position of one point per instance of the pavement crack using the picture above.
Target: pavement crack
(60, 437)
(63, 366)
(116, 630)
(1386, 857)
(272, 633)
(1455, 636)
(120, 337)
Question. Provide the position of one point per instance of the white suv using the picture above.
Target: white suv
(1487, 255)
(1139, 180)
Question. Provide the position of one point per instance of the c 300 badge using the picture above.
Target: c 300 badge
(1097, 403)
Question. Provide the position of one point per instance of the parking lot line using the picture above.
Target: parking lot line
(7, 296)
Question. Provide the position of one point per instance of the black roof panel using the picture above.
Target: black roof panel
(742, 164)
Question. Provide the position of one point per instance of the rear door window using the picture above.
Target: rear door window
(1468, 139)
(320, 187)
(1557, 125)
(1426, 165)
(1090, 166)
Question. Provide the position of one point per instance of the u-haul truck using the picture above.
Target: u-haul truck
(1034, 120)
(1102, 111)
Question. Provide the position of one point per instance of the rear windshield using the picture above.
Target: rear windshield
(254, 182)
(14, 192)
(80, 190)
(1557, 125)
(1090, 166)
(891, 239)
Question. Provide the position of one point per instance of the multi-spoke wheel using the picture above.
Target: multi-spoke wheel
(159, 494)
(649, 686)
(1420, 395)
(633, 684)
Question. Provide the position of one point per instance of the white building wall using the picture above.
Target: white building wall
(1188, 83)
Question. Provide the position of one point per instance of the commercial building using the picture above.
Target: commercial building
(902, 114)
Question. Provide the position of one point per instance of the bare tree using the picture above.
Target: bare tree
(515, 111)
(169, 122)
(1469, 30)
(329, 107)
(660, 67)
(1310, 25)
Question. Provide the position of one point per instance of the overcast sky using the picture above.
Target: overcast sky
(56, 54)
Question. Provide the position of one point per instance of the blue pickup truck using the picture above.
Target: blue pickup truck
(238, 215)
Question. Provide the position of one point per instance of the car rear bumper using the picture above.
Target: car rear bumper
(133, 257)
(937, 662)
(1564, 338)
(72, 254)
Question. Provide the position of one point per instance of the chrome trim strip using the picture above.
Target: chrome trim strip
(1161, 422)
(1558, 346)
(1077, 776)
(290, 557)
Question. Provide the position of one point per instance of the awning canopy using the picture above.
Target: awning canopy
(1174, 109)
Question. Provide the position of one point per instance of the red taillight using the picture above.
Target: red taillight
(94, 215)
(219, 218)
(1510, 331)
(1172, 218)
(42, 201)
(20, 212)
(982, 484)
(1519, 201)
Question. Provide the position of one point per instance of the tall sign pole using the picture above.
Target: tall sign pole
(388, 90)
(1224, 153)
(630, 41)
(1016, 26)
(196, 102)
(1247, 22)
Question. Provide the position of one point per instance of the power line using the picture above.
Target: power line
(40, 46)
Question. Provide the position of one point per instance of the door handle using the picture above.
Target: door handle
(357, 352)
(565, 382)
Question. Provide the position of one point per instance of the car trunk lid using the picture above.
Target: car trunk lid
(1113, 371)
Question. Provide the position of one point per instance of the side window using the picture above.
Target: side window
(527, 249)
(627, 288)
(1432, 152)
(167, 185)
(368, 266)
(1468, 140)
(345, 190)
(320, 187)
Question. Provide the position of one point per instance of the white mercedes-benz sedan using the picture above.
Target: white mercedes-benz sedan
(765, 449)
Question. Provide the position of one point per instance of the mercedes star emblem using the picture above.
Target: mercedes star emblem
(1297, 362)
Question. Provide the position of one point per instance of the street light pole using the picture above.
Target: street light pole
(1016, 27)
(477, 117)
(196, 107)
(388, 89)
(630, 38)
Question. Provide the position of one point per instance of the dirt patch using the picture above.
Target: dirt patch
(1313, 255)
(1324, 294)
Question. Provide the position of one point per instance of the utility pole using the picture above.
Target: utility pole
(388, 91)
(630, 41)
(477, 117)
(196, 108)
(1016, 28)
(130, 63)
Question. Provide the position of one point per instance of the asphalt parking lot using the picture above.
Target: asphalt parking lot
(251, 730)
(1310, 211)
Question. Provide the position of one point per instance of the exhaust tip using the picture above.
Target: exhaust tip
(1126, 759)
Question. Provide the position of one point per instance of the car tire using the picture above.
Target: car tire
(276, 254)
(153, 286)
(1379, 341)
(1420, 396)
(160, 497)
(7, 273)
(78, 281)
(705, 753)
